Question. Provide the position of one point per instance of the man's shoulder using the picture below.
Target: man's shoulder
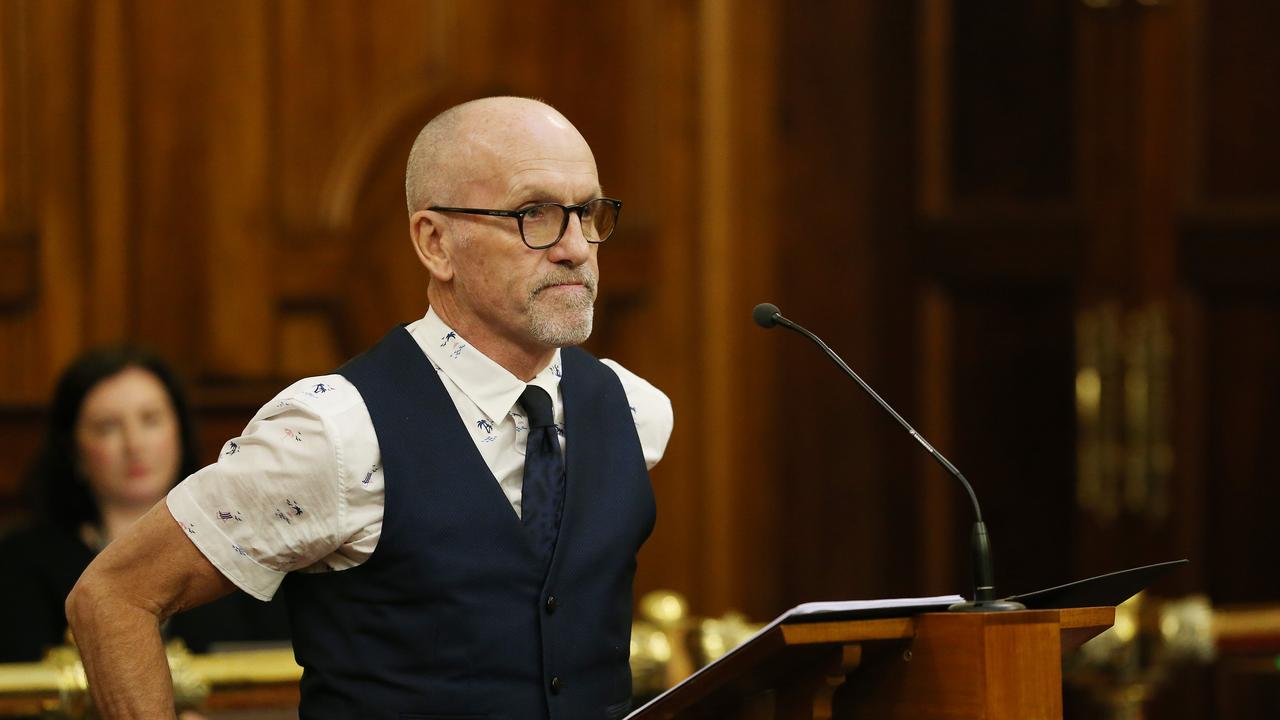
(321, 395)
(638, 389)
(628, 378)
(650, 409)
(582, 356)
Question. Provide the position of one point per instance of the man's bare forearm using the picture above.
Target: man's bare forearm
(150, 573)
(122, 651)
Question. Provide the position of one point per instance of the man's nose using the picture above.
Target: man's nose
(573, 248)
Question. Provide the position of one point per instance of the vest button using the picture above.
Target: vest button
(555, 685)
(552, 604)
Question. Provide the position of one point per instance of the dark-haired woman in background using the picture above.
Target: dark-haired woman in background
(119, 437)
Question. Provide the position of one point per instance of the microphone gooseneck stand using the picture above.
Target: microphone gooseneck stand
(767, 316)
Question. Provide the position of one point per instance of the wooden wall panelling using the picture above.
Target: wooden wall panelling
(1228, 260)
(239, 328)
(832, 502)
(42, 223)
(15, 182)
(174, 203)
(341, 72)
(933, 105)
(1239, 111)
(1160, 146)
(345, 199)
(1160, 106)
(1130, 64)
(1101, 87)
(18, 239)
(1139, 179)
(938, 520)
(1205, 233)
(1244, 345)
(1014, 394)
(19, 245)
(21, 429)
(935, 509)
(1229, 310)
(48, 335)
(716, 233)
(847, 465)
(1011, 133)
(1229, 237)
(19, 242)
(348, 274)
(896, 312)
(1000, 197)
(738, 244)
(655, 98)
(107, 162)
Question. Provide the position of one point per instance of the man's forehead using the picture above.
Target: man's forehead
(550, 179)
(515, 144)
(509, 162)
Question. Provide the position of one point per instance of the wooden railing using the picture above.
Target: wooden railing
(1122, 667)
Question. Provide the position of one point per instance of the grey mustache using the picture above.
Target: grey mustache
(586, 279)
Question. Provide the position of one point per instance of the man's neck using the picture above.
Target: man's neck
(524, 363)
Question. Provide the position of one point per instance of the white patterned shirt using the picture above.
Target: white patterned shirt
(301, 488)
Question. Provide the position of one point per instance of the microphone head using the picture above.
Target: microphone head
(766, 315)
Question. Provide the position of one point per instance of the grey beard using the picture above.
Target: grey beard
(563, 325)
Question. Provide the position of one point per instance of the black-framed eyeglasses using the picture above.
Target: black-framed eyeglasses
(542, 225)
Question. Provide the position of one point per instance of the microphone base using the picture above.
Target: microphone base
(986, 606)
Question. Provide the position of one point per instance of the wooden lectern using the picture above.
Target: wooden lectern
(932, 666)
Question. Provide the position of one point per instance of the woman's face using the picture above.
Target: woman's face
(128, 440)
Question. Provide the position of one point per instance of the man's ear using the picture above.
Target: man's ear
(427, 234)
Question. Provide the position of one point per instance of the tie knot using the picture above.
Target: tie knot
(537, 403)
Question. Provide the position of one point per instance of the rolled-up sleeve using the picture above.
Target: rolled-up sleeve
(274, 501)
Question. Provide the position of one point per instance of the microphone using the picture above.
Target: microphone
(767, 316)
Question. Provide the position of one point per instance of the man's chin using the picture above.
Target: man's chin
(562, 329)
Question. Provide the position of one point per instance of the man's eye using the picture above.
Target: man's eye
(537, 213)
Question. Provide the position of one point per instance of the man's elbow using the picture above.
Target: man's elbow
(81, 600)
(93, 595)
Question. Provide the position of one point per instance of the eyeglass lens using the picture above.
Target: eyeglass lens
(543, 224)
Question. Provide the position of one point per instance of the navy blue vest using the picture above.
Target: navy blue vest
(450, 617)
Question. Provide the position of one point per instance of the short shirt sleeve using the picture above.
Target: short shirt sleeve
(276, 499)
(651, 410)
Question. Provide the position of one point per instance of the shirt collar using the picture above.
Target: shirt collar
(490, 386)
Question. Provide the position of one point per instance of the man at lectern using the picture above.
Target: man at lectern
(453, 516)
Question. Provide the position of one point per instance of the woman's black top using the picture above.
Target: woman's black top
(40, 565)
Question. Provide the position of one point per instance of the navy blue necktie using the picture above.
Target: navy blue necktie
(542, 496)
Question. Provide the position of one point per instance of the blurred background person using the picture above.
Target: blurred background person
(119, 436)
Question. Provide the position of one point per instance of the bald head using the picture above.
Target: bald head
(465, 143)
